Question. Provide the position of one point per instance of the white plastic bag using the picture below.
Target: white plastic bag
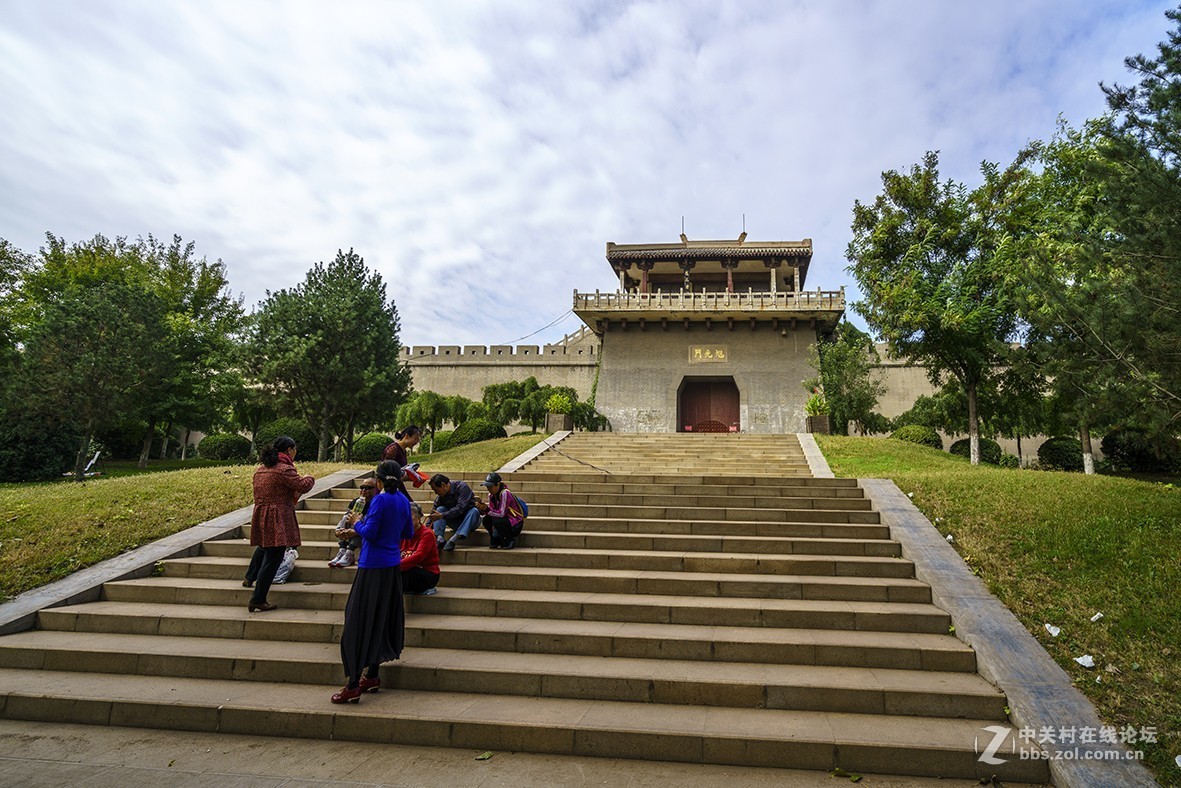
(288, 564)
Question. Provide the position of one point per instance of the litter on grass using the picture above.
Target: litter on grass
(1086, 660)
(1096, 617)
(1053, 630)
(950, 538)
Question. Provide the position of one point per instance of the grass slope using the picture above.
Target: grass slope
(51, 529)
(1057, 548)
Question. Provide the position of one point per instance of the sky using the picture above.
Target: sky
(481, 155)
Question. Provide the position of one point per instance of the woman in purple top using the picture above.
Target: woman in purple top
(374, 618)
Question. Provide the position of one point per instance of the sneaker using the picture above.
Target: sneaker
(339, 557)
(430, 592)
(439, 543)
(350, 558)
(510, 544)
(449, 546)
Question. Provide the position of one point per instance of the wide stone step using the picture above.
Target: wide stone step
(738, 684)
(897, 650)
(712, 478)
(588, 606)
(622, 487)
(930, 746)
(318, 526)
(340, 504)
(705, 584)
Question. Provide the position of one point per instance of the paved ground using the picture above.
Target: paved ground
(48, 755)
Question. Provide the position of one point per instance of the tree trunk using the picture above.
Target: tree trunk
(147, 445)
(432, 449)
(325, 438)
(973, 425)
(1084, 434)
(184, 449)
(1019, 460)
(164, 443)
(348, 445)
(83, 450)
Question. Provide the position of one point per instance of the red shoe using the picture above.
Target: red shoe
(369, 685)
(347, 695)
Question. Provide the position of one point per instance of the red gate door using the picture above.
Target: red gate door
(709, 406)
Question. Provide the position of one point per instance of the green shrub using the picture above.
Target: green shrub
(475, 430)
(1061, 454)
(816, 405)
(876, 424)
(924, 436)
(990, 450)
(370, 446)
(443, 440)
(1009, 461)
(585, 417)
(558, 403)
(1134, 450)
(33, 450)
(305, 440)
(224, 446)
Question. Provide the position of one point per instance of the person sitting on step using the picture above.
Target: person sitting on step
(347, 539)
(503, 514)
(454, 508)
(420, 557)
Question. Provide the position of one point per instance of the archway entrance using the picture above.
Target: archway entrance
(708, 405)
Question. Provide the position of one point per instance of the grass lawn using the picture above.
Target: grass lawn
(50, 529)
(1058, 548)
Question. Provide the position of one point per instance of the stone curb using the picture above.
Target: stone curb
(85, 585)
(1039, 691)
(532, 453)
(816, 462)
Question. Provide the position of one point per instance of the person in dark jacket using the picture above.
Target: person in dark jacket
(420, 557)
(273, 527)
(374, 616)
(407, 438)
(454, 508)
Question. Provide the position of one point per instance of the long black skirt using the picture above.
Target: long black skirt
(374, 621)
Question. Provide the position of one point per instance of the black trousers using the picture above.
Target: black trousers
(263, 566)
(415, 580)
(500, 530)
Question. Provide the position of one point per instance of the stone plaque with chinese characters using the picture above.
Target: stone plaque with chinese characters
(705, 354)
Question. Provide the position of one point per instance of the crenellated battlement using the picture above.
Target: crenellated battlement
(582, 345)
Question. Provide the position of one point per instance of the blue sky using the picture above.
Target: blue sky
(480, 155)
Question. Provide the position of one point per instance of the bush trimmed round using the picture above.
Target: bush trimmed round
(33, 451)
(990, 450)
(370, 446)
(442, 440)
(476, 430)
(1133, 450)
(224, 446)
(299, 431)
(1061, 454)
(1009, 461)
(924, 436)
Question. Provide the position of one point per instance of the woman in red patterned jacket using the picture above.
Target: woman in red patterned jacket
(273, 527)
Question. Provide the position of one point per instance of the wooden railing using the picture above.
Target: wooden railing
(705, 301)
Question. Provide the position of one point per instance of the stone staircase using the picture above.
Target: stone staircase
(692, 615)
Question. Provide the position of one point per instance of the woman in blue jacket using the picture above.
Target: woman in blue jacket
(374, 618)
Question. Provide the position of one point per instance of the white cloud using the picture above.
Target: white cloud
(480, 155)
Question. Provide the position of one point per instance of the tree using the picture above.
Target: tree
(846, 363)
(427, 410)
(923, 253)
(329, 347)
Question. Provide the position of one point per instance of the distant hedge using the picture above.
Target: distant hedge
(475, 430)
(1061, 454)
(990, 450)
(1134, 450)
(369, 447)
(924, 436)
(224, 446)
(442, 440)
(32, 450)
(305, 440)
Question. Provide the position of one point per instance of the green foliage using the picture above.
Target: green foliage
(816, 405)
(524, 401)
(1009, 461)
(475, 430)
(428, 410)
(990, 450)
(443, 440)
(329, 347)
(460, 409)
(1061, 454)
(224, 446)
(876, 424)
(585, 417)
(297, 429)
(1128, 449)
(847, 376)
(924, 255)
(370, 446)
(558, 403)
(914, 433)
(34, 449)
